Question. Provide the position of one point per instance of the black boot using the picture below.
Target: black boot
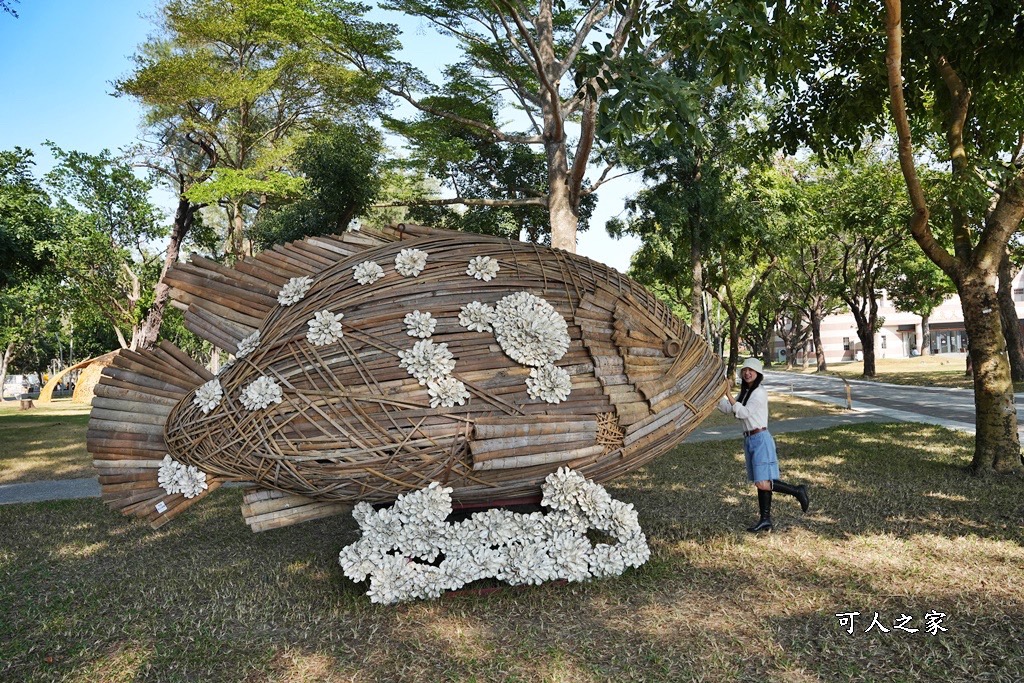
(764, 503)
(798, 492)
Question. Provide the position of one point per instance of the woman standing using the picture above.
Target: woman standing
(751, 406)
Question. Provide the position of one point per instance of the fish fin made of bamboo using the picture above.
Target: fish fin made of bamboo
(225, 304)
(133, 399)
(265, 509)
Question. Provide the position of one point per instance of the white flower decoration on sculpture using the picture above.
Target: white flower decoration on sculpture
(174, 477)
(530, 330)
(427, 361)
(549, 383)
(294, 290)
(477, 317)
(260, 393)
(446, 392)
(419, 324)
(367, 272)
(397, 542)
(248, 345)
(483, 268)
(324, 328)
(208, 396)
(411, 262)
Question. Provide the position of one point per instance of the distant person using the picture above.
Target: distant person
(751, 406)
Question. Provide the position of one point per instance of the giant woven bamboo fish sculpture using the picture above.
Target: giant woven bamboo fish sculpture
(375, 362)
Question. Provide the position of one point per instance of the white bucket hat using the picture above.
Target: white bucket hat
(754, 364)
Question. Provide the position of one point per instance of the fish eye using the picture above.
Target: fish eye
(672, 347)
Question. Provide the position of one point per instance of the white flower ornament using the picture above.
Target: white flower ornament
(260, 393)
(447, 392)
(411, 262)
(294, 290)
(367, 272)
(477, 317)
(530, 330)
(208, 396)
(483, 268)
(427, 361)
(248, 345)
(175, 477)
(420, 324)
(324, 328)
(396, 542)
(549, 383)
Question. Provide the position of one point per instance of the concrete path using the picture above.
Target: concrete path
(58, 489)
(872, 402)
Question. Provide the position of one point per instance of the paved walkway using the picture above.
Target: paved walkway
(872, 402)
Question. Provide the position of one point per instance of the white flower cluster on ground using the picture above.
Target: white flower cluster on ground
(294, 290)
(477, 317)
(174, 477)
(427, 361)
(419, 324)
(549, 383)
(483, 268)
(530, 330)
(208, 396)
(248, 345)
(324, 328)
(399, 543)
(260, 393)
(367, 272)
(411, 262)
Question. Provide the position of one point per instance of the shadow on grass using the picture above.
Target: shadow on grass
(45, 445)
(89, 595)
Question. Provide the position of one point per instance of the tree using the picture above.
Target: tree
(970, 57)
(809, 267)
(106, 227)
(342, 169)
(952, 72)
(24, 217)
(5, 5)
(861, 203)
(544, 58)
(242, 83)
(916, 285)
(681, 211)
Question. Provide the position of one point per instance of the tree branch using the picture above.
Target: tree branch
(467, 201)
(919, 219)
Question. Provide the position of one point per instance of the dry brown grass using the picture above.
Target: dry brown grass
(896, 527)
(46, 442)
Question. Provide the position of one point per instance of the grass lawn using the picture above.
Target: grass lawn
(896, 527)
(46, 442)
(928, 371)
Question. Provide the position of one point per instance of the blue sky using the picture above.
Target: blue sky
(59, 58)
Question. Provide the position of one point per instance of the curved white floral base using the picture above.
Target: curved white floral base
(397, 543)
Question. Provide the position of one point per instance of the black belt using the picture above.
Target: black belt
(754, 431)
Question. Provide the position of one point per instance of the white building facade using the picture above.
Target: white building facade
(900, 335)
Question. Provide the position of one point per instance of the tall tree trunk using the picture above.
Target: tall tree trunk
(237, 243)
(734, 347)
(819, 348)
(997, 445)
(183, 218)
(4, 362)
(1008, 318)
(926, 336)
(867, 344)
(697, 294)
